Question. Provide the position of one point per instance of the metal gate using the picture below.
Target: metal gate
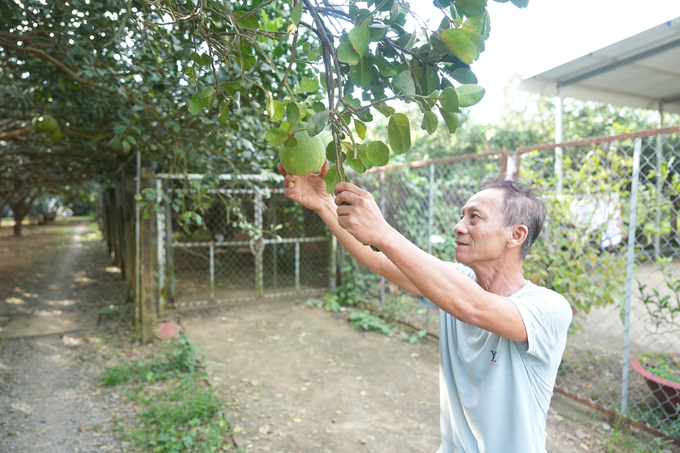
(254, 243)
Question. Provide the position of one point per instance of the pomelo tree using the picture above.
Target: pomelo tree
(214, 86)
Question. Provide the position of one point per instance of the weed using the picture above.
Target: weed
(367, 321)
(180, 415)
(114, 312)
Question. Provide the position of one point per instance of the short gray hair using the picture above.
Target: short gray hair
(522, 205)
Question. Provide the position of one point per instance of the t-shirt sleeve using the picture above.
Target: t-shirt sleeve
(546, 317)
(459, 267)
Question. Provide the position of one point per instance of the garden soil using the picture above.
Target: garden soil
(294, 379)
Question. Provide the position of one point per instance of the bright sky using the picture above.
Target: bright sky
(550, 32)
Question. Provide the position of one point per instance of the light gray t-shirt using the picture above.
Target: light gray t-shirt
(495, 393)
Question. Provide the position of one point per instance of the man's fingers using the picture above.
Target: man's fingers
(324, 169)
(281, 170)
(346, 197)
(347, 187)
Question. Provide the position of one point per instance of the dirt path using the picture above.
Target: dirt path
(304, 380)
(48, 395)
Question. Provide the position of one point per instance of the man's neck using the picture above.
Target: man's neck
(500, 278)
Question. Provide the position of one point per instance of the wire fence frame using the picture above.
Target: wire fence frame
(258, 193)
(652, 153)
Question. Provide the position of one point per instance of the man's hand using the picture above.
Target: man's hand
(308, 190)
(359, 214)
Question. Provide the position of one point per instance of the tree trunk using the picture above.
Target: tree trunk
(17, 225)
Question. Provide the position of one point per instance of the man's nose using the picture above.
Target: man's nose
(460, 228)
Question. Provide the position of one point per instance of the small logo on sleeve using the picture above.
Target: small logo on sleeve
(493, 357)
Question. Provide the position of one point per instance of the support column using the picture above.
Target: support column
(630, 262)
(559, 138)
(660, 178)
(147, 306)
(160, 248)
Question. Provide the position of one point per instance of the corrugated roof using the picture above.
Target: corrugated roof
(640, 71)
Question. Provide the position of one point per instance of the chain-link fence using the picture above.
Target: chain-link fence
(610, 245)
(250, 242)
(423, 200)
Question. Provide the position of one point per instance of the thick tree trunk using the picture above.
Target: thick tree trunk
(18, 218)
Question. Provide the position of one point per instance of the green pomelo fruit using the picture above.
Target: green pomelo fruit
(48, 124)
(306, 157)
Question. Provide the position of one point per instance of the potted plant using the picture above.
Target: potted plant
(662, 370)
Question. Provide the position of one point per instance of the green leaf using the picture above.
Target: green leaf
(292, 112)
(520, 3)
(376, 32)
(318, 106)
(330, 152)
(356, 164)
(428, 78)
(469, 95)
(249, 22)
(208, 96)
(276, 137)
(308, 85)
(480, 24)
(361, 128)
(378, 153)
(332, 178)
(119, 129)
(275, 109)
(232, 87)
(206, 60)
(399, 133)
(449, 100)
(223, 117)
(126, 146)
(347, 54)
(196, 104)
(451, 120)
(361, 152)
(296, 13)
(359, 37)
(360, 74)
(471, 7)
(466, 44)
(385, 109)
(317, 123)
(464, 75)
(404, 83)
(386, 68)
(430, 122)
(290, 142)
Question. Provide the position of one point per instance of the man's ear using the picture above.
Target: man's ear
(520, 233)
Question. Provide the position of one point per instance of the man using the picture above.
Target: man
(501, 337)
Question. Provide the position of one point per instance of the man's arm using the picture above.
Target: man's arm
(441, 283)
(375, 261)
(310, 191)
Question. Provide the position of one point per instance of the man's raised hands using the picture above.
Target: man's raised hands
(308, 190)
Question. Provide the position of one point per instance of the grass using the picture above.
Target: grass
(178, 410)
(621, 440)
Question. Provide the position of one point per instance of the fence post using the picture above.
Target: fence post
(130, 244)
(629, 273)
(212, 270)
(297, 267)
(259, 278)
(659, 187)
(147, 306)
(332, 278)
(170, 254)
(160, 248)
(559, 127)
(382, 210)
(430, 226)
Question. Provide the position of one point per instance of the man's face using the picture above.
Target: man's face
(480, 235)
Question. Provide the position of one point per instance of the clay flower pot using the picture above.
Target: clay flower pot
(665, 391)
